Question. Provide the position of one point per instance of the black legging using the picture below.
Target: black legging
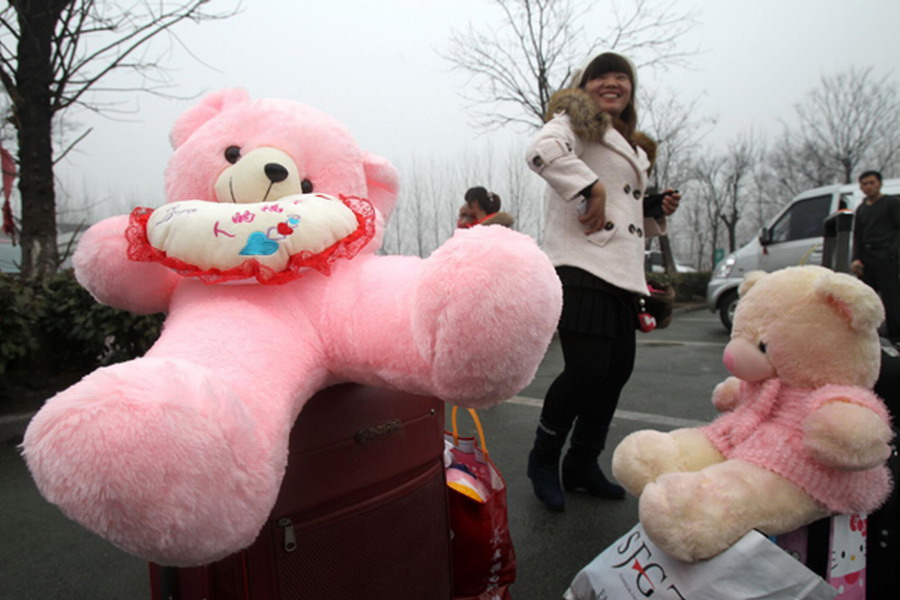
(596, 369)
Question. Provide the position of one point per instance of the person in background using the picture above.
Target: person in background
(484, 206)
(596, 223)
(876, 242)
(464, 219)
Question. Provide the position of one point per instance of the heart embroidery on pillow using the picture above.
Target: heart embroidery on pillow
(259, 245)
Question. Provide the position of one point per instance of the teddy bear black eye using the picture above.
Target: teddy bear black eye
(306, 186)
(762, 347)
(232, 154)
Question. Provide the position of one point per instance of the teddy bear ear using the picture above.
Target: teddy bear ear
(382, 182)
(209, 106)
(750, 279)
(852, 299)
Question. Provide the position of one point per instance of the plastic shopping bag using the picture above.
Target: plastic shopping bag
(753, 568)
(484, 562)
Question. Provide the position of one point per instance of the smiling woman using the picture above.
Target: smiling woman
(595, 235)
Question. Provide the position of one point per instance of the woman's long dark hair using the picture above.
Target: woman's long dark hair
(610, 62)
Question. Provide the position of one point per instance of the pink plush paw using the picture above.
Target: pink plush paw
(103, 268)
(688, 517)
(158, 457)
(485, 311)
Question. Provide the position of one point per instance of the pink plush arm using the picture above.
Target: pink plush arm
(469, 324)
(847, 429)
(103, 268)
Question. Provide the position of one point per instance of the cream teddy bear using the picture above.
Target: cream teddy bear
(801, 435)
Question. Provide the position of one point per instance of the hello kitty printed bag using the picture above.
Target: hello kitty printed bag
(835, 549)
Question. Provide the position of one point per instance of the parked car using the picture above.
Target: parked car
(792, 237)
(654, 263)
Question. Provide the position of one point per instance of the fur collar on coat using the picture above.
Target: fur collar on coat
(588, 122)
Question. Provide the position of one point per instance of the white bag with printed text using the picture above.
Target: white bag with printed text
(753, 568)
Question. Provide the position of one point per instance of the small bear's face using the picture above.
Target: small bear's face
(808, 326)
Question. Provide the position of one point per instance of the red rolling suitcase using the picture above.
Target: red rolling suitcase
(362, 511)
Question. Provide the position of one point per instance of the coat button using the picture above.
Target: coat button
(627, 188)
(631, 228)
(608, 225)
(637, 194)
(640, 232)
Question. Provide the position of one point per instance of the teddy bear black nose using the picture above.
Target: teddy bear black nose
(275, 172)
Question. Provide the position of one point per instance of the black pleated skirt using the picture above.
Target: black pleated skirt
(594, 307)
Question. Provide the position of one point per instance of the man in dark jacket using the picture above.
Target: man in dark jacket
(876, 242)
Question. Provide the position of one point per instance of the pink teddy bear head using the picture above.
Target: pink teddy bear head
(231, 148)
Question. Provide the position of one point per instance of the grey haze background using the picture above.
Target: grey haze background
(376, 67)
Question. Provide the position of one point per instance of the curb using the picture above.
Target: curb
(688, 307)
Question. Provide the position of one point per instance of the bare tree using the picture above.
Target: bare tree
(678, 129)
(523, 194)
(693, 233)
(52, 54)
(707, 191)
(741, 160)
(849, 122)
(516, 65)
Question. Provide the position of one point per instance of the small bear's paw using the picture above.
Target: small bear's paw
(689, 517)
(846, 436)
(642, 457)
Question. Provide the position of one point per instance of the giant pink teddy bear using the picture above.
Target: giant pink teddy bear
(178, 456)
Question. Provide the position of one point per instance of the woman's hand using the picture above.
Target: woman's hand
(670, 202)
(594, 217)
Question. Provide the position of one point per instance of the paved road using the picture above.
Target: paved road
(45, 556)
(675, 373)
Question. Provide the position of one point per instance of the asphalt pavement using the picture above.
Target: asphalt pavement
(45, 556)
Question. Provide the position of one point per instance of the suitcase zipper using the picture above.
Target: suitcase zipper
(290, 540)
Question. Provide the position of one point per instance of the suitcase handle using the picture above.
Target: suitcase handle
(478, 426)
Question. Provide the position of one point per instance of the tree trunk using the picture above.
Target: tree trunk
(33, 118)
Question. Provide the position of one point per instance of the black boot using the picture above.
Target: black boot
(543, 467)
(580, 471)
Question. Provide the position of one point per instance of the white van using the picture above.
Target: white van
(792, 237)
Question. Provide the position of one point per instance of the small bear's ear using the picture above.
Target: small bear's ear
(750, 279)
(856, 302)
(209, 106)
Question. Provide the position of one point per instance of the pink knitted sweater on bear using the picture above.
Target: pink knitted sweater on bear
(766, 429)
